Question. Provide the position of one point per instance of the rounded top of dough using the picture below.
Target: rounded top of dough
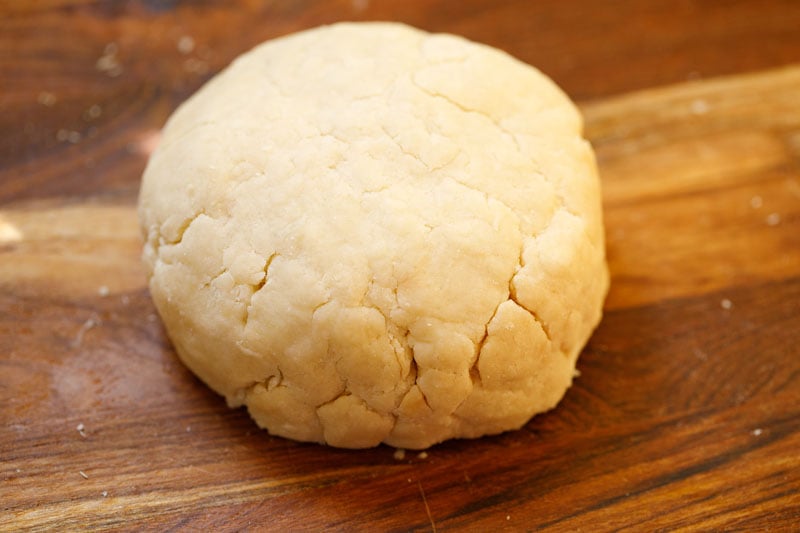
(366, 233)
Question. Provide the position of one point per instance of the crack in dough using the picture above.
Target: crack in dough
(260, 285)
(465, 109)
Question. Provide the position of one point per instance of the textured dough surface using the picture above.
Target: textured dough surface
(366, 233)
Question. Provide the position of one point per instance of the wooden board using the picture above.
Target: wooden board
(686, 413)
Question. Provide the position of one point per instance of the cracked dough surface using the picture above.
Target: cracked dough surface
(366, 233)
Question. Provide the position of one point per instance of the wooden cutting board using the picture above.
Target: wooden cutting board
(686, 413)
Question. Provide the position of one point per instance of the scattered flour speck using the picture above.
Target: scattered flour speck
(773, 219)
(699, 107)
(186, 44)
(47, 99)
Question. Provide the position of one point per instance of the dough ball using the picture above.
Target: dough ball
(366, 233)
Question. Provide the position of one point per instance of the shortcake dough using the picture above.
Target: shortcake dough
(369, 234)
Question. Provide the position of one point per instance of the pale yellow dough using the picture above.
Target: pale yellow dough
(366, 233)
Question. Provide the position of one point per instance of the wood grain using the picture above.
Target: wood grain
(687, 411)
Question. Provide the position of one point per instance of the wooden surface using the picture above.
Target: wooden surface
(687, 410)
